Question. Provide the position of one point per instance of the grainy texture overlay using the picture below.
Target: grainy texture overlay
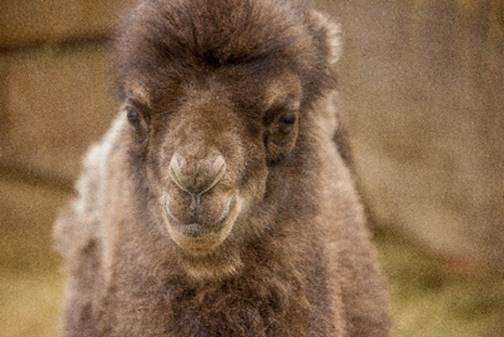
(421, 81)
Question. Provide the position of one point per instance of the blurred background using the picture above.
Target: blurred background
(423, 82)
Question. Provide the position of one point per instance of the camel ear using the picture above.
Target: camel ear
(329, 33)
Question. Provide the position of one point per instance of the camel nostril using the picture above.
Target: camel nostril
(177, 164)
(197, 176)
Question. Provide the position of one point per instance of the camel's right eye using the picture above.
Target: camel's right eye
(136, 112)
(139, 120)
(133, 115)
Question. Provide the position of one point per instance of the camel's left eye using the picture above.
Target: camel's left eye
(288, 119)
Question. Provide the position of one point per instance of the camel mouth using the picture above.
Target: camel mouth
(197, 230)
(198, 238)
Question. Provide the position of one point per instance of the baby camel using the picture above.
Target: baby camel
(218, 203)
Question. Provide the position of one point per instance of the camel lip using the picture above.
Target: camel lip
(195, 235)
(196, 230)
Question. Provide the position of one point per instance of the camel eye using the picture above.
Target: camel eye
(138, 119)
(133, 115)
(288, 119)
(136, 112)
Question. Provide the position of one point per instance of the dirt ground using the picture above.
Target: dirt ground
(427, 301)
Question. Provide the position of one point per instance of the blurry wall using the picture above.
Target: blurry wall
(55, 99)
(421, 80)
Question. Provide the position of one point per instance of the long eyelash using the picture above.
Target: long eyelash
(133, 102)
(136, 111)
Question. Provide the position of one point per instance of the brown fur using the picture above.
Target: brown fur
(251, 81)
